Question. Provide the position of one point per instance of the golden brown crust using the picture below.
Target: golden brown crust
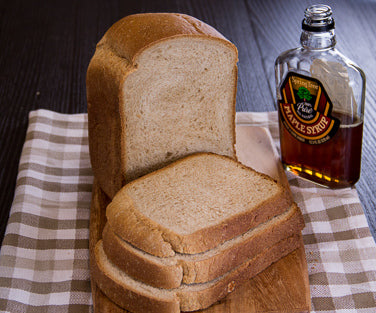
(163, 275)
(139, 230)
(208, 238)
(131, 35)
(104, 304)
(113, 61)
(129, 297)
(105, 76)
(138, 300)
(132, 226)
(237, 277)
(167, 276)
(209, 269)
(99, 202)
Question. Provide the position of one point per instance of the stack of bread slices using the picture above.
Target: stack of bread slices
(186, 223)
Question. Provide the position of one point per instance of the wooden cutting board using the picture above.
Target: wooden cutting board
(282, 287)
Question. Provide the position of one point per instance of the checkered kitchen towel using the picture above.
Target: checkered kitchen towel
(44, 261)
(44, 257)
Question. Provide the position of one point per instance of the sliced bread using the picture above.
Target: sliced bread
(160, 86)
(138, 297)
(199, 268)
(194, 204)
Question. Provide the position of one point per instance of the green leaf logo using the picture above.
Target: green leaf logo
(304, 94)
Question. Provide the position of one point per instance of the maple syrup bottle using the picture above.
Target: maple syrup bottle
(320, 96)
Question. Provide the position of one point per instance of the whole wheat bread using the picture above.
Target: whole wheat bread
(199, 268)
(138, 297)
(160, 86)
(194, 204)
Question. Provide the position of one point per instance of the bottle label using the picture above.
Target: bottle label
(305, 110)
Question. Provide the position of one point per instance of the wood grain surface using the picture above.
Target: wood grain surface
(46, 47)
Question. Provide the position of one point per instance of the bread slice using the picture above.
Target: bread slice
(160, 86)
(199, 268)
(194, 204)
(137, 297)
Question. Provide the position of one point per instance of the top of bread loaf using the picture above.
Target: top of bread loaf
(131, 35)
(160, 86)
(194, 204)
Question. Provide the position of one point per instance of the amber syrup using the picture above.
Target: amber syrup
(335, 163)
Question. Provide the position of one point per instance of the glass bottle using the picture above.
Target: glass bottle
(320, 95)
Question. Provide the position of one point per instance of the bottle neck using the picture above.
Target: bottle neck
(318, 40)
(318, 28)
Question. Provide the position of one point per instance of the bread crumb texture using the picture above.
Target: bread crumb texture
(199, 192)
(179, 101)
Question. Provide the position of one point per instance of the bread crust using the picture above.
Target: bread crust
(237, 277)
(152, 273)
(99, 201)
(105, 76)
(132, 34)
(115, 58)
(132, 226)
(172, 272)
(130, 298)
(185, 298)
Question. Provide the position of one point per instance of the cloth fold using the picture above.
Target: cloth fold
(44, 260)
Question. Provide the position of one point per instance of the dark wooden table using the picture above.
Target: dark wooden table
(46, 46)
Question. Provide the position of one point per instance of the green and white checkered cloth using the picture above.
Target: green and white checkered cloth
(44, 260)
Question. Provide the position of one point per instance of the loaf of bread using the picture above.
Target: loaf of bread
(194, 204)
(185, 223)
(160, 86)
